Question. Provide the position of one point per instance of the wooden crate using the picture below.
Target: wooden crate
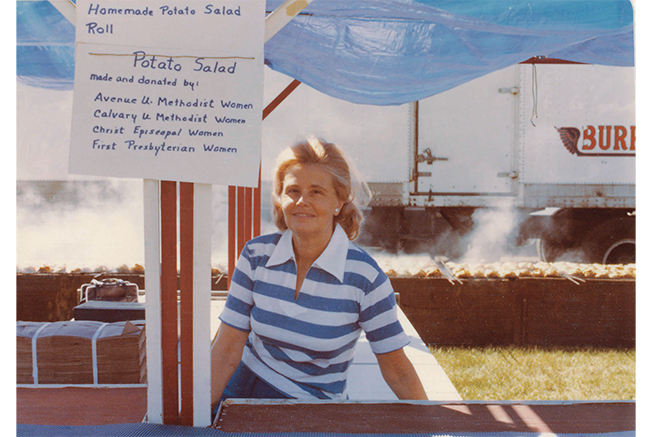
(522, 311)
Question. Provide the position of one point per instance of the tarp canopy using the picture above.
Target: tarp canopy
(385, 52)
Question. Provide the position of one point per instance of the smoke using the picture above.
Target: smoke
(494, 236)
(80, 224)
(96, 225)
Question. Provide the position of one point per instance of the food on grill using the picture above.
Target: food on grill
(398, 267)
(137, 269)
(507, 270)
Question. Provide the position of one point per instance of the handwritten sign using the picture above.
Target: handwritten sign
(169, 90)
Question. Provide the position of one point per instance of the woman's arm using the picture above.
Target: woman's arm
(399, 373)
(226, 353)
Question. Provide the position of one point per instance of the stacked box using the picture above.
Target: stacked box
(121, 355)
(65, 352)
(24, 333)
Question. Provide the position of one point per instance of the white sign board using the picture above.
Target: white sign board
(169, 90)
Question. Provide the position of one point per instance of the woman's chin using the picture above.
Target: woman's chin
(307, 227)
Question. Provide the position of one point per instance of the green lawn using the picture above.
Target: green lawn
(511, 373)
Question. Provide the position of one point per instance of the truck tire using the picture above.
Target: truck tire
(611, 242)
(559, 236)
(550, 250)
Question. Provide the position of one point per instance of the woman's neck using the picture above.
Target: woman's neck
(306, 252)
(308, 248)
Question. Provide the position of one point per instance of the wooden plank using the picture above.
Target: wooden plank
(523, 311)
(48, 297)
(279, 99)
(186, 236)
(169, 323)
(472, 313)
(425, 417)
(80, 405)
(240, 232)
(232, 223)
(598, 312)
(248, 213)
(257, 207)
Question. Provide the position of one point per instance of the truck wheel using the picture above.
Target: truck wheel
(612, 242)
(550, 250)
(559, 235)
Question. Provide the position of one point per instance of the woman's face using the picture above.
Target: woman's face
(309, 201)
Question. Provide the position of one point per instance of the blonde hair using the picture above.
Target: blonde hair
(349, 186)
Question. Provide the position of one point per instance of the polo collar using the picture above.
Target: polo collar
(332, 259)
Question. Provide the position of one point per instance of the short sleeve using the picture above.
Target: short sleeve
(239, 300)
(379, 317)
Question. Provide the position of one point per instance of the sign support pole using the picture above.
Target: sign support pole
(186, 300)
(201, 317)
(153, 301)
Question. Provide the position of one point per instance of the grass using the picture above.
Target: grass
(511, 373)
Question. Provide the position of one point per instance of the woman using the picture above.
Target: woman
(300, 298)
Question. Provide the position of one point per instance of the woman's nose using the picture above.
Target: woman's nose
(301, 199)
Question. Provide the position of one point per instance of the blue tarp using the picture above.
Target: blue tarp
(385, 52)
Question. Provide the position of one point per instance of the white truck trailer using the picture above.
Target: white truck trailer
(549, 142)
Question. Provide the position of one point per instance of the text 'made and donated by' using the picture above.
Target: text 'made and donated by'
(169, 90)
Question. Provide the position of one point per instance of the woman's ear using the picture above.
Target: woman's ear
(338, 210)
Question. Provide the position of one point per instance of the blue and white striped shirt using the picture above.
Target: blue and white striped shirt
(304, 347)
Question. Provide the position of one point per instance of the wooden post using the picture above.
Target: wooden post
(186, 239)
(257, 207)
(151, 204)
(241, 219)
(248, 212)
(193, 338)
(232, 232)
(201, 305)
(169, 327)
